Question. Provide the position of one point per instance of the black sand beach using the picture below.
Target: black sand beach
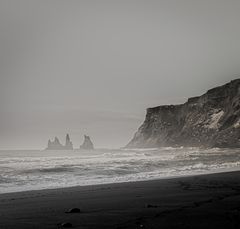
(204, 201)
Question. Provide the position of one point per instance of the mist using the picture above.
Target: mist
(93, 67)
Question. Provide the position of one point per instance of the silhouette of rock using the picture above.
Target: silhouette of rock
(87, 144)
(68, 144)
(56, 145)
(210, 120)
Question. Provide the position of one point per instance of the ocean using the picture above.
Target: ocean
(22, 170)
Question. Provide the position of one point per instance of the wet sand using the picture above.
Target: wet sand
(203, 201)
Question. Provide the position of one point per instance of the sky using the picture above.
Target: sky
(93, 67)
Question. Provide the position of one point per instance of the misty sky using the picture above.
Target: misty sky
(93, 67)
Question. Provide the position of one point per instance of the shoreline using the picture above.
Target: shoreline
(180, 202)
(217, 171)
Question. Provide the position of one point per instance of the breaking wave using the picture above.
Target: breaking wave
(28, 170)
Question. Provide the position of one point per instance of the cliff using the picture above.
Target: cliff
(210, 120)
(87, 143)
(56, 145)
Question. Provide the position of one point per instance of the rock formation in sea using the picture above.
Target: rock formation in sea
(87, 143)
(56, 145)
(68, 144)
(210, 120)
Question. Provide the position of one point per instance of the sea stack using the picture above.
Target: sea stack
(68, 144)
(87, 144)
(56, 145)
(209, 120)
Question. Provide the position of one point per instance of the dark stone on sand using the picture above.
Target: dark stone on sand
(66, 225)
(73, 210)
(151, 206)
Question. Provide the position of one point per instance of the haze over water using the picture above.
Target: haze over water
(31, 170)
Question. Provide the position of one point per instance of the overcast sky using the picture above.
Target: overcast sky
(93, 67)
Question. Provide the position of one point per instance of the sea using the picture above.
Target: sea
(23, 170)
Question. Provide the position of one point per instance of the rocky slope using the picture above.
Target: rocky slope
(210, 120)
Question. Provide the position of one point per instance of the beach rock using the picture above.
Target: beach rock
(87, 144)
(210, 120)
(66, 225)
(56, 145)
(151, 206)
(73, 210)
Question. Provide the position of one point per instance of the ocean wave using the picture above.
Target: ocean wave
(38, 170)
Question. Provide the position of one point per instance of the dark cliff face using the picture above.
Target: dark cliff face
(210, 120)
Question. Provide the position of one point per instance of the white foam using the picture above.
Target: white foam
(22, 171)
